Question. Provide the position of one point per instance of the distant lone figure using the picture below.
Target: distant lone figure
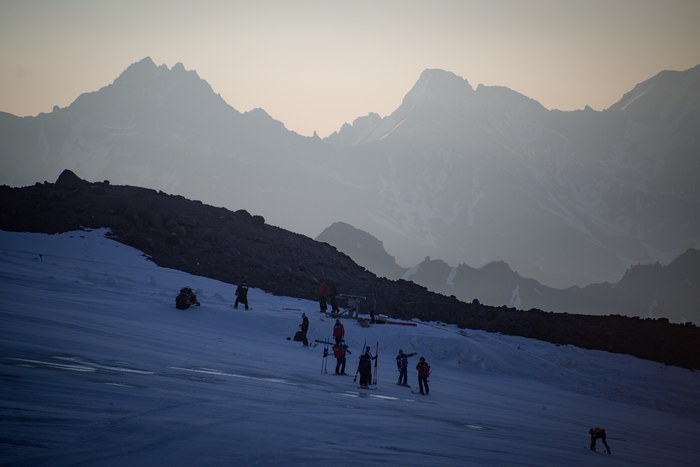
(242, 295)
(598, 433)
(372, 307)
(304, 326)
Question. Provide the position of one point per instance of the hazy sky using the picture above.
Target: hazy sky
(316, 64)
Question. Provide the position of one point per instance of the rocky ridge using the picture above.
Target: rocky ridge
(233, 246)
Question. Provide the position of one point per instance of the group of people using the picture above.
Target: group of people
(328, 293)
(422, 368)
(364, 367)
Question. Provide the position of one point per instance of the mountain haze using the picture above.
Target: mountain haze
(455, 173)
(646, 291)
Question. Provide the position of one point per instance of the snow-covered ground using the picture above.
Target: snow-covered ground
(98, 367)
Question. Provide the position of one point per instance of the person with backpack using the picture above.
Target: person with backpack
(598, 433)
(338, 331)
(402, 365)
(364, 368)
(339, 351)
(423, 374)
(304, 329)
(241, 295)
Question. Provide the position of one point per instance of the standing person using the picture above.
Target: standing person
(304, 329)
(372, 307)
(598, 433)
(402, 365)
(333, 295)
(242, 295)
(423, 373)
(339, 351)
(338, 331)
(365, 368)
(322, 295)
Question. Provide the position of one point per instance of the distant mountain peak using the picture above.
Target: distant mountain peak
(670, 95)
(142, 68)
(438, 87)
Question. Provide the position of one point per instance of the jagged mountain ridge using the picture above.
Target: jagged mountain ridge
(646, 291)
(467, 175)
(500, 177)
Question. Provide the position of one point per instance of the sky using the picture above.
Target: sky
(315, 65)
(98, 367)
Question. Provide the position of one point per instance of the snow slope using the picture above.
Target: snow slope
(98, 367)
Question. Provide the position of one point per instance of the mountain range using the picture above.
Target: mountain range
(647, 291)
(465, 175)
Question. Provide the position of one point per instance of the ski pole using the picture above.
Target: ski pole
(376, 359)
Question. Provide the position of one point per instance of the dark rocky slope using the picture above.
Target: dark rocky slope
(232, 246)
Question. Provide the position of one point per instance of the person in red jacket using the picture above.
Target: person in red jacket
(338, 331)
(423, 373)
(339, 351)
(322, 294)
(598, 433)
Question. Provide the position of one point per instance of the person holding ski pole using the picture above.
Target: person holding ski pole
(598, 433)
(402, 365)
(423, 374)
(365, 368)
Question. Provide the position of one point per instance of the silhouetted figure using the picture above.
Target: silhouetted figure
(323, 295)
(598, 433)
(364, 368)
(304, 329)
(242, 295)
(402, 365)
(372, 307)
(423, 374)
(333, 296)
(338, 331)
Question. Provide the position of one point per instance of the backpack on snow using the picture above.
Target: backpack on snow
(298, 336)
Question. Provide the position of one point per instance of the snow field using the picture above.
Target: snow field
(98, 367)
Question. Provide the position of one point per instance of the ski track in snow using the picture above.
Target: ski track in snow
(97, 367)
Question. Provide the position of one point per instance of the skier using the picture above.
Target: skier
(598, 433)
(339, 351)
(365, 368)
(402, 365)
(423, 373)
(338, 331)
(304, 329)
(241, 295)
(322, 294)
